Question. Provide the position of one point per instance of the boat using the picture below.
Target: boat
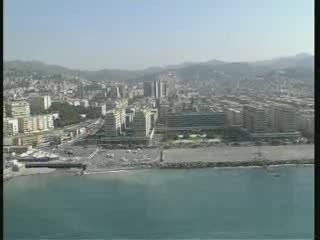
(82, 172)
(275, 174)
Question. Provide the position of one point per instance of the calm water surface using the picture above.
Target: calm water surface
(243, 203)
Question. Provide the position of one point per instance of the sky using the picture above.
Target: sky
(136, 34)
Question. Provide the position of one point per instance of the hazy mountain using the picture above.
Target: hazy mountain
(299, 60)
(300, 66)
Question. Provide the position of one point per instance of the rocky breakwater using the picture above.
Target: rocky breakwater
(261, 163)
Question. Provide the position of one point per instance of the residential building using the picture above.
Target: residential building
(36, 123)
(284, 118)
(254, 119)
(10, 126)
(17, 109)
(28, 140)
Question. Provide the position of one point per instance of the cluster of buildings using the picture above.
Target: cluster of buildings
(23, 121)
(161, 103)
(261, 117)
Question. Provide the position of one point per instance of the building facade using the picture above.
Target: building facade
(254, 119)
(142, 123)
(10, 126)
(40, 103)
(284, 119)
(18, 109)
(196, 120)
(112, 126)
(36, 123)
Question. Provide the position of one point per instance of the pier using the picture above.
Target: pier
(56, 165)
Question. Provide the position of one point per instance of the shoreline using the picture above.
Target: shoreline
(185, 158)
(254, 163)
(181, 165)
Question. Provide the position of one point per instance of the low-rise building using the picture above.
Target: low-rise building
(196, 120)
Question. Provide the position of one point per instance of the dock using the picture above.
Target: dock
(56, 165)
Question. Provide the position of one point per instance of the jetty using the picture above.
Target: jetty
(56, 165)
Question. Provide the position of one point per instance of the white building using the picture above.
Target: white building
(10, 126)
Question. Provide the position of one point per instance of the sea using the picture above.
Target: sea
(212, 203)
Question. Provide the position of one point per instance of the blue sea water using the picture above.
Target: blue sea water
(229, 203)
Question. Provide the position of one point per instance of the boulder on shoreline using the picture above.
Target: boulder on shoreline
(188, 165)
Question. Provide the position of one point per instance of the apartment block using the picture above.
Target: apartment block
(36, 123)
(10, 126)
(254, 119)
(16, 109)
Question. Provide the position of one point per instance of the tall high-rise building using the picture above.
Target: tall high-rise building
(148, 90)
(142, 123)
(165, 89)
(112, 126)
(156, 89)
(40, 103)
(123, 90)
(129, 117)
(81, 89)
(114, 92)
(164, 109)
(16, 109)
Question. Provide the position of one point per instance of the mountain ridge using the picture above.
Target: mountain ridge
(300, 61)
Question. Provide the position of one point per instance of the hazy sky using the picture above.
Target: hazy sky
(134, 34)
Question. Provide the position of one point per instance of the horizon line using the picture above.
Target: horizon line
(164, 66)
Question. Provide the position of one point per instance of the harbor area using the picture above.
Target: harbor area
(93, 158)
